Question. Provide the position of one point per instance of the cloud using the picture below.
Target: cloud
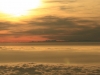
(53, 27)
(49, 25)
(4, 25)
(69, 28)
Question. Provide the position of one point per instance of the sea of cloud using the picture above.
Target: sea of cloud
(48, 69)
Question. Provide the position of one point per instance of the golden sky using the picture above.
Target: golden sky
(37, 20)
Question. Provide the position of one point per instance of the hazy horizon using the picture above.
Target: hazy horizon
(66, 53)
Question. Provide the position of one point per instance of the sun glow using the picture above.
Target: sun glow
(18, 7)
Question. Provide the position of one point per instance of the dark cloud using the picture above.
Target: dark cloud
(4, 25)
(53, 27)
(65, 28)
(52, 21)
(47, 31)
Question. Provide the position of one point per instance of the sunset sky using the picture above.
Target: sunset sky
(38, 20)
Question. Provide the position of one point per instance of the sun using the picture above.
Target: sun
(18, 7)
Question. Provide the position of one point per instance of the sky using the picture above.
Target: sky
(62, 20)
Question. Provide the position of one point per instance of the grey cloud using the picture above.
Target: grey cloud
(4, 25)
(65, 28)
(47, 31)
(53, 25)
(58, 28)
(52, 21)
(88, 34)
(58, 22)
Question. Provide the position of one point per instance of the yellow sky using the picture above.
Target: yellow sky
(49, 19)
(65, 8)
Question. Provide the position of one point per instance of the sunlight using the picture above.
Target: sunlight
(18, 7)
